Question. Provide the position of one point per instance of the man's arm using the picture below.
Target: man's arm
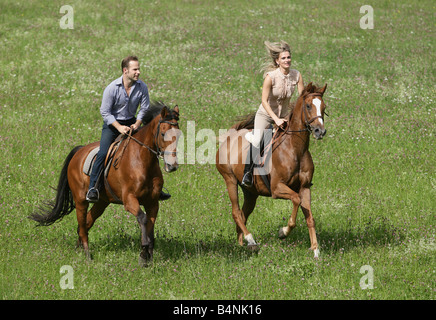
(106, 106)
(144, 105)
(122, 129)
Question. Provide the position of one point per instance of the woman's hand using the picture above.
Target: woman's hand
(279, 122)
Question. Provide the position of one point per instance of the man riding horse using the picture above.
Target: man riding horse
(121, 99)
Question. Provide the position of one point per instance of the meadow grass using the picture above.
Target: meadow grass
(374, 184)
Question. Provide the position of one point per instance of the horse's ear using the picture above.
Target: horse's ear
(164, 112)
(176, 108)
(307, 89)
(323, 89)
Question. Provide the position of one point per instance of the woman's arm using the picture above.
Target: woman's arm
(266, 89)
(300, 85)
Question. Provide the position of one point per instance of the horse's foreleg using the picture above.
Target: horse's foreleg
(305, 206)
(282, 191)
(284, 231)
(131, 204)
(151, 220)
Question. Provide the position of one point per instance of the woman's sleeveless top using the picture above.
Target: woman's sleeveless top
(283, 86)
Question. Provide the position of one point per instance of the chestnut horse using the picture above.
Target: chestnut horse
(290, 168)
(136, 180)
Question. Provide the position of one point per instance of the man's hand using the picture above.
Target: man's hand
(123, 129)
(136, 125)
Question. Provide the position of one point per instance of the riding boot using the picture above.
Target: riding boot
(93, 194)
(247, 179)
(164, 195)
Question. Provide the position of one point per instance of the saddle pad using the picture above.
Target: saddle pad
(265, 146)
(90, 159)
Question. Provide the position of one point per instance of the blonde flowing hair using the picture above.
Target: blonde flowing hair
(274, 49)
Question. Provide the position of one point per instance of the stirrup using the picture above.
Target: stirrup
(164, 195)
(247, 179)
(92, 200)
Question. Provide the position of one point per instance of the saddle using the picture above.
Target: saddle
(90, 160)
(263, 157)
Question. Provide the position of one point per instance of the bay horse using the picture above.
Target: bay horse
(290, 165)
(136, 180)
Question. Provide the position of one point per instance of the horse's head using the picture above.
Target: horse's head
(167, 135)
(313, 108)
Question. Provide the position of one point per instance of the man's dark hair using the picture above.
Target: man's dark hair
(125, 62)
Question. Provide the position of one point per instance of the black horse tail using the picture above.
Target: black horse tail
(64, 203)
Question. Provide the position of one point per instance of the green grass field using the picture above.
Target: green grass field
(374, 185)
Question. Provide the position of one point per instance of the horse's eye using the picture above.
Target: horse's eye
(308, 106)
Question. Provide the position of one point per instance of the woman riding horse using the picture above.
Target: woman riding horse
(287, 168)
(278, 86)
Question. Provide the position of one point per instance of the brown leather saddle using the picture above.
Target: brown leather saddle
(110, 161)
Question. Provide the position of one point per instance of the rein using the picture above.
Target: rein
(307, 124)
(158, 152)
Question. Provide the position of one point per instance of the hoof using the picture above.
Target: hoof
(315, 252)
(143, 263)
(253, 247)
(79, 244)
(282, 234)
(88, 256)
(145, 259)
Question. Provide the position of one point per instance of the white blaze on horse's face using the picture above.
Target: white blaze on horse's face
(317, 103)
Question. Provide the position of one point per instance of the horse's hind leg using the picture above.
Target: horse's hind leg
(238, 216)
(84, 225)
(95, 212)
(81, 208)
(247, 209)
(305, 206)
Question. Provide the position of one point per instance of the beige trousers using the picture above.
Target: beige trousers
(261, 122)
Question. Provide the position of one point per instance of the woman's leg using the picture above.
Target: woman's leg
(261, 122)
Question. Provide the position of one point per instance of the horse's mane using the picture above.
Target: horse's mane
(247, 121)
(154, 110)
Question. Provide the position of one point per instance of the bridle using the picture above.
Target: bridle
(158, 152)
(308, 127)
(308, 122)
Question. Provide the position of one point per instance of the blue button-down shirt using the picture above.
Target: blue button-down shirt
(117, 105)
